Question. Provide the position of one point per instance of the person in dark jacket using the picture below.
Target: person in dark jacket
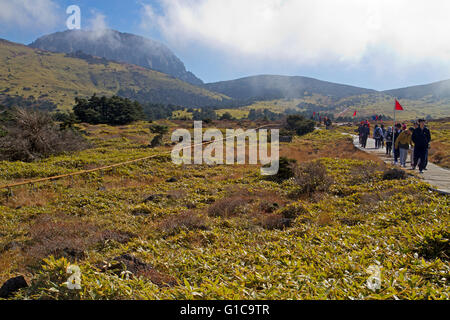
(413, 165)
(388, 137)
(360, 132)
(328, 123)
(397, 131)
(378, 136)
(421, 138)
(365, 135)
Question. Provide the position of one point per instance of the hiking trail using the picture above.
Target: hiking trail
(434, 175)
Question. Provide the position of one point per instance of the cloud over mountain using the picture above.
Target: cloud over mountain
(401, 32)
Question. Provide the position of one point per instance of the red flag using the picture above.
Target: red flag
(398, 106)
(354, 114)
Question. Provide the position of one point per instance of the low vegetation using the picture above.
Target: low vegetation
(154, 230)
(28, 135)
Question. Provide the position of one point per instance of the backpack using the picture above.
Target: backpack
(378, 133)
(389, 136)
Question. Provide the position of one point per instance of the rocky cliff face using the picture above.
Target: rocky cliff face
(120, 47)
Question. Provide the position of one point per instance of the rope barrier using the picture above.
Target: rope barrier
(17, 184)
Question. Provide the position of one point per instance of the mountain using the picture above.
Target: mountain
(436, 90)
(120, 47)
(270, 87)
(34, 74)
(279, 93)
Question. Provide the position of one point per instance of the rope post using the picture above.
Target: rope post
(10, 193)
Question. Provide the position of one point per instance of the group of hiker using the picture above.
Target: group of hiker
(400, 139)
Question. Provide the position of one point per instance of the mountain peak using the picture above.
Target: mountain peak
(120, 47)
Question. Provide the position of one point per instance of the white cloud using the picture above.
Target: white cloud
(100, 30)
(39, 14)
(98, 22)
(311, 32)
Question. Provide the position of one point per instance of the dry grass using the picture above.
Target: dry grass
(66, 236)
(440, 154)
(139, 268)
(230, 206)
(27, 197)
(274, 221)
(308, 150)
(190, 220)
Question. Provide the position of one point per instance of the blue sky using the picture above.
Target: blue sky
(374, 44)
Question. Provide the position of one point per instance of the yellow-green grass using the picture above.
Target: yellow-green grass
(363, 220)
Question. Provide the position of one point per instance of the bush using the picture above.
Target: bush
(292, 211)
(435, 245)
(229, 206)
(186, 220)
(312, 177)
(226, 116)
(299, 124)
(394, 174)
(285, 170)
(156, 141)
(113, 111)
(274, 221)
(32, 135)
(159, 129)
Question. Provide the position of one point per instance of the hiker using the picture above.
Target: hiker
(413, 164)
(397, 131)
(360, 132)
(388, 137)
(383, 133)
(365, 135)
(328, 123)
(377, 135)
(421, 138)
(402, 143)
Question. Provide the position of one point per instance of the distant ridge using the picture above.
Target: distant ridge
(120, 47)
(268, 87)
(436, 90)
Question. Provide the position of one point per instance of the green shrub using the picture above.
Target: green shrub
(113, 111)
(299, 124)
(285, 170)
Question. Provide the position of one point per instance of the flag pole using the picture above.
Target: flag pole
(393, 133)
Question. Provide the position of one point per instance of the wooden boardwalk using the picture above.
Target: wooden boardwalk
(434, 175)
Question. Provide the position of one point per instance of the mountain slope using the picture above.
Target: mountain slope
(279, 93)
(269, 87)
(60, 78)
(436, 90)
(117, 46)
